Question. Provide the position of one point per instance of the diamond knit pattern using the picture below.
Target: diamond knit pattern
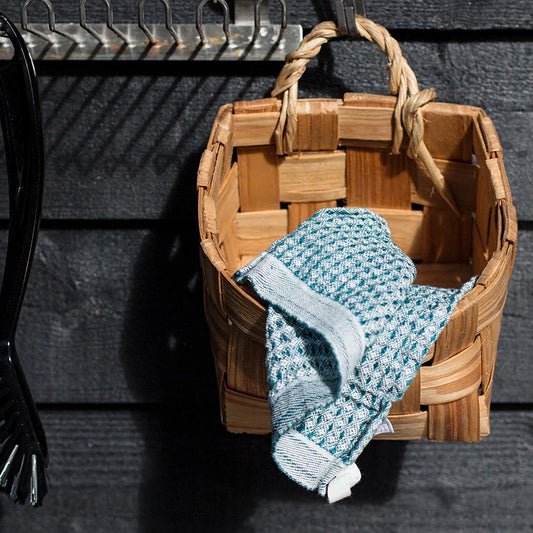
(340, 259)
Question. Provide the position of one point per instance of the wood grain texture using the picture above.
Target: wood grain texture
(450, 275)
(446, 238)
(113, 312)
(115, 316)
(461, 179)
(119, 143)
(246, 365)
(258, 168)
(139, 471)
(313, 177)
(376, 178)
(258, 178)
(257, 230)
(298, 212)
(457, 420)
(406, 230)
(318, 126)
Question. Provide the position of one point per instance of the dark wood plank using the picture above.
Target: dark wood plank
(513, 131)
(445, 15)
(121, 144)
(461, 72)
(116, 316)
(165, 471)
(516, 338)
(113, 313)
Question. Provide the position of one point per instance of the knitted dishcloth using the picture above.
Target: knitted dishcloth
(345, 335)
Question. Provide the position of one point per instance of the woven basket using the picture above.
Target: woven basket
(450, 211)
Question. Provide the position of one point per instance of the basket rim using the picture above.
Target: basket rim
(499, 264)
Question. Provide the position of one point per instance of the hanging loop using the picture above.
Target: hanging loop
(199, 19)
(51, 22)
(402, 84)
(257, 19)
(109, 22)
(168, 22)
(346, 12)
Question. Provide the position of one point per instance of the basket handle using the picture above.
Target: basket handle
(402, 84)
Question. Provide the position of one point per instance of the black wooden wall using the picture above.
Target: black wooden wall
(112, 334)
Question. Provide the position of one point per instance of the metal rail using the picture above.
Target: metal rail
(251, 38)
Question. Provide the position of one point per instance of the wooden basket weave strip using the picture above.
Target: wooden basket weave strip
(249, 196)
(402, 83)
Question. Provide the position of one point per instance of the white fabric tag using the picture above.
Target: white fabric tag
(386, 427)
(340, 486)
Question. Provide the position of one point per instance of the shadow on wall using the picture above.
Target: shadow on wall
(196, 476)
(191, 471)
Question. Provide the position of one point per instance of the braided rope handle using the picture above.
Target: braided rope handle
(402, 84)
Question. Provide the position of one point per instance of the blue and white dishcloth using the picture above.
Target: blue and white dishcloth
(346, 332)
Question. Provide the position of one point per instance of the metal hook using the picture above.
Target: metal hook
(168, 22)
(199, 18)
(257, 19)
(51, 22)
(109, 23)
(346, 11)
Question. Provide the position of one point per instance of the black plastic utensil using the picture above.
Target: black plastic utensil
(23, 448)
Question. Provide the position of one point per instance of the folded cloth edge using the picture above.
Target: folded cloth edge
(305, 462)
(274, 282)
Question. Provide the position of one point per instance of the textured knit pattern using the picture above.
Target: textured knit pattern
(328, 396)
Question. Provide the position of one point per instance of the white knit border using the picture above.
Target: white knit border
(274, 282)
(306, 462)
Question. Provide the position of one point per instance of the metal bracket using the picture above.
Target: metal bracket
(245, 12)
(346, 11)
(256, 12)
(168, 22)
(51, 21)
(109, 23)
(251, 38)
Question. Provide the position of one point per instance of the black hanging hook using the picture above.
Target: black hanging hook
(346, 11)
(24, 453)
